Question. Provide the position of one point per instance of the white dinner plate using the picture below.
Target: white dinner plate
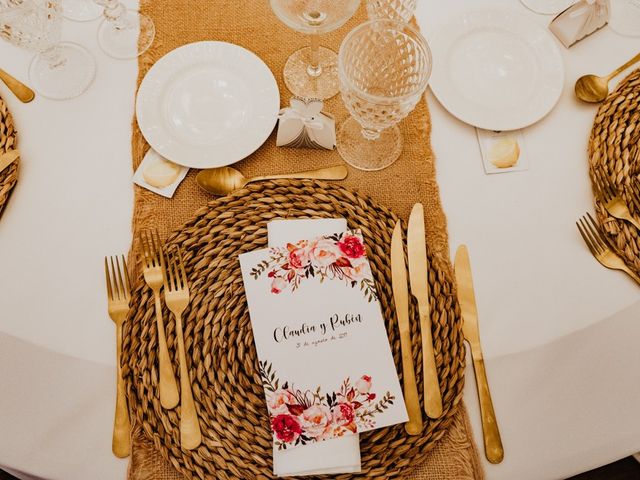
(207, 104)
(496, 70)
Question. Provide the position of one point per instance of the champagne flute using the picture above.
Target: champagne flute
(124, 34)
(311, 72)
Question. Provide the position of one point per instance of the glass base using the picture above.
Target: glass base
(365, 154)
(128, 42)
(303, 85)
(547, 7)
(81, 10)
(69, 79)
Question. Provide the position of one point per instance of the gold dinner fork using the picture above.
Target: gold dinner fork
(176, 296)
(118, 296)
(612, 201)
(153, 275)
(599, 248)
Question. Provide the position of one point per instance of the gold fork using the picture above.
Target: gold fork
(118, 296)
(634, 192)
(176, 296)
(594, 239)
(612, 201)
(153, 275)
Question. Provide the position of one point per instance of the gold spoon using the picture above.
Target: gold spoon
(594, 89)
(224, 180)
(19, 89)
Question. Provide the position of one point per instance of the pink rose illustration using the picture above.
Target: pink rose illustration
(363, 385)
(299, 258)
(286, 427)
(358, 270)
(351, 246)
(343, 414)
(279, 400)
(315, 420)
(324, 252)
(278, 284)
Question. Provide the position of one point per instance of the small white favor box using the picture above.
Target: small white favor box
(304, 125)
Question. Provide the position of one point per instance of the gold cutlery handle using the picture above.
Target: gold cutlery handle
(169, 397)
(623, 67)
(432, 394)
(492, 441)
(337, 172)
(190, 434)
(411, 399)
(120, 443)
(632, 220)
(631, 273)
(19, 89)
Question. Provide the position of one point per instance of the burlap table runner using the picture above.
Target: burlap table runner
(252, 25)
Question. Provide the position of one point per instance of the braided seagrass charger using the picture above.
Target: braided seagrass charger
(221, 355)
(8, 141)
(614, 151)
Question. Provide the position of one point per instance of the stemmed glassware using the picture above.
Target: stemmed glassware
(124, 33)
(625, 17)
(400, 10)
(547, 7)
(80, 10)
(59, 70)
(311, 72)
(384, 68)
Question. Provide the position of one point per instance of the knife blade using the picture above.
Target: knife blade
(8, 158)
(401, 301)
(418, 277)
(466, 296)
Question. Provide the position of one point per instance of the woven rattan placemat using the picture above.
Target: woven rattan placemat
(220, 349)
(614, 151)
(8, 141)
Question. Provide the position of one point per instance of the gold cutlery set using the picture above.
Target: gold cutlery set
(594, 89)
(161, 269)
(418, 280)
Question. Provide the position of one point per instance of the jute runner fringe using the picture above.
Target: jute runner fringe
(252, 25)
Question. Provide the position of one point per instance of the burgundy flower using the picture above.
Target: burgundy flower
(371, 397)
(286, 427)
(343, 414)
(351, 246)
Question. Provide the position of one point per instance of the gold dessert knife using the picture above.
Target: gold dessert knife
(492, 442)
(419, 279)
(401, 300)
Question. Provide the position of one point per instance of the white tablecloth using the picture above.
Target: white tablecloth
(559, 331)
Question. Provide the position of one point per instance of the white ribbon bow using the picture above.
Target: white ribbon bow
(306, 112)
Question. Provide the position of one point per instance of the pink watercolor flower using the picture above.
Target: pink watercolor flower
(286, 427)
(324, 252)
(358, 269)
(351, 246)
(315, 420)
(278, 284)
(299, 258)
(279, 400)
(363, 385)
(343, 414)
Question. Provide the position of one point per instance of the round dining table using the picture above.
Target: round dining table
(560, 333)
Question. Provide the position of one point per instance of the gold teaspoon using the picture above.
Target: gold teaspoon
(224, 180)
(19, 89)
(594, 89)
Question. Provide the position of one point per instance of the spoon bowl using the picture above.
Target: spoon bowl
(592, 89)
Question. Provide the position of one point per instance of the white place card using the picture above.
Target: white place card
(324, 355)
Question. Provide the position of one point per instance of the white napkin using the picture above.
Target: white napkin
(340, 455)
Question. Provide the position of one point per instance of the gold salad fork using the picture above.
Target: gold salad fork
(599, 248)
(612, 201)
(176, 296)
(118, 296)
(153, 275)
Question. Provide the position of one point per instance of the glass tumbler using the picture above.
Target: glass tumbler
(384, 68)
(311, 72)
(400, 10)
(59, 70)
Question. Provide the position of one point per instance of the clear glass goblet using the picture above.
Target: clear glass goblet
(311, 72)
(124, 34)
(384, 68)
(547, 7)
(60, 70)
(81, 10)
(400, 10)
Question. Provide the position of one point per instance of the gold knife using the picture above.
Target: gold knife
(401, 300)
(418, 276)
(8, 158)
(492, 442)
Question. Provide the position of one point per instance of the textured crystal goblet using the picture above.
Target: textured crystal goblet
(400, 10)
(384, 69)
(311, 72)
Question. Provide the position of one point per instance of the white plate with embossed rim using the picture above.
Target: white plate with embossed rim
(496, 70)
(207, 104)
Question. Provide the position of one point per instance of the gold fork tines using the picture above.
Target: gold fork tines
(118, 296)
(612, 201)
(599, 248)
(153, 259)
(176, 296)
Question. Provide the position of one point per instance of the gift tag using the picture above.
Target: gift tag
(503, 152)
(159, 175)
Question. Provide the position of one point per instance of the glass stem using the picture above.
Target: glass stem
(370, 133)
(314, 69)
(116, 12)
(53, 57)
